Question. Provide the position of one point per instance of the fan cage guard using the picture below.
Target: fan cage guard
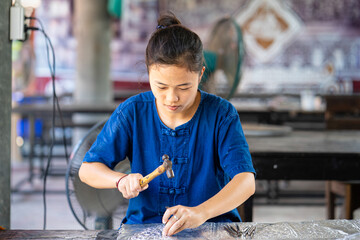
(93, 208)
(232, 82)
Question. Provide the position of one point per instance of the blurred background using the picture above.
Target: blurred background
(319, 51)
(296, 54)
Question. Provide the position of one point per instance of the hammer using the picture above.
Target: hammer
(166, 166)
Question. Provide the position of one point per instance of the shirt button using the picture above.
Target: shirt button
(173, 134)
(171, 191)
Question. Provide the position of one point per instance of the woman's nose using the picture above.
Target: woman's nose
(171, 96)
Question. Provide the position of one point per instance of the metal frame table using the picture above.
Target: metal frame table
(305, 155)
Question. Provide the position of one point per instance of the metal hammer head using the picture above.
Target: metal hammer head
(168, 166)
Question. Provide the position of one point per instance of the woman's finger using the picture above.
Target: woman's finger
(169, 225)
(133, 187)
(168, 213)
(178, 226)
(182, 218)
(145, 187)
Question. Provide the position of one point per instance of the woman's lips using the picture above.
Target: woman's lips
(172, 108)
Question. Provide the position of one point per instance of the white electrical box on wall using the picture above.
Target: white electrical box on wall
(17, 19)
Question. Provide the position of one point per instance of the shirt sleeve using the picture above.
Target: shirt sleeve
(112, 144)
(233, 149)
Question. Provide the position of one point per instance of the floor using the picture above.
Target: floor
(27, 203)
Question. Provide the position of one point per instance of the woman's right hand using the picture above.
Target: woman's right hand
(130, 187)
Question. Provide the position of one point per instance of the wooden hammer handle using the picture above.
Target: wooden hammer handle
(145, 180)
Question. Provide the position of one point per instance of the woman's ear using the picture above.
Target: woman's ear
(201, 73)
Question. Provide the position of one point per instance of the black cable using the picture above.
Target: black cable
(54, 92)
(55, 103)
(53, 120)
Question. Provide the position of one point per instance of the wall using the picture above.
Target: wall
(5, 113)
(323, 55)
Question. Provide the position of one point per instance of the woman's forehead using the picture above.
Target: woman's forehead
(170, 69)
(171, 75)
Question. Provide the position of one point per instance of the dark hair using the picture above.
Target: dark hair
(174, 44)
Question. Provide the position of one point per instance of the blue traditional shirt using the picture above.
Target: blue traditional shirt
(206, 153)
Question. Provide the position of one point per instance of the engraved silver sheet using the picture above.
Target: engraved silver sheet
(326, 229)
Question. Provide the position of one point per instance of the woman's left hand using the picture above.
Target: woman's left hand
(179, 217)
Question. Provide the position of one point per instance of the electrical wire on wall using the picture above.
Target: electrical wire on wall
(55, 105)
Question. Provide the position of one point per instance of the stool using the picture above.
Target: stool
(351, 193)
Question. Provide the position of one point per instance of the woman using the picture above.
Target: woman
(200, 132)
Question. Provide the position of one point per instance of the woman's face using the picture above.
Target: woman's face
(175, 88)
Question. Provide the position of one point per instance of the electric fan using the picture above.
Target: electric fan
(224, 54)
(93, 208)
